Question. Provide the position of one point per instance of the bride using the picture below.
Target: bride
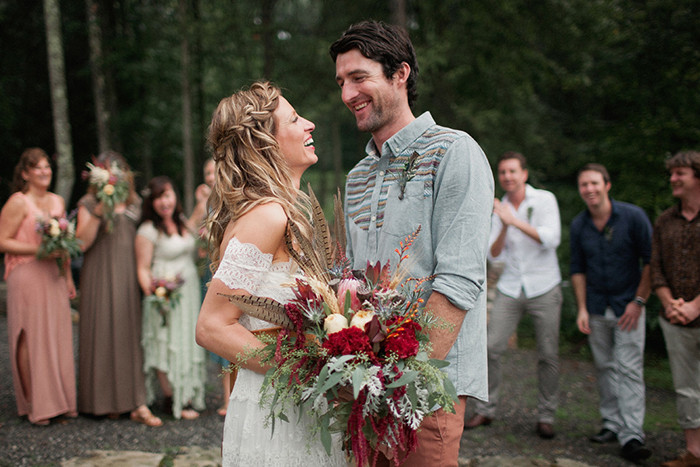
(261, 147)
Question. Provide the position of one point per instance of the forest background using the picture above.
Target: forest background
(565, 82)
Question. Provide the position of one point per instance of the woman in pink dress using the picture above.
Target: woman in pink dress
(38, 294)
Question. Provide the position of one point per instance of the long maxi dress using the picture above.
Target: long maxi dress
(247, 436)
(171, 348)
(38, 310)
(111, 378)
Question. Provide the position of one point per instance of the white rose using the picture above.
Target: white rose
(334, 323)
(54, 228)
(161, 292)
(99, 175)
(361, 318)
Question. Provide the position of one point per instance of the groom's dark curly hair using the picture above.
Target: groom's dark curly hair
(384, 43)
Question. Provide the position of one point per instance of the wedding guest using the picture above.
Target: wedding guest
(609, 242)
(197, 218)
(525, 234)
(111, 380)
(417, 173)
(38, 297)
(675, 277)
(166, 249)
(261, 147)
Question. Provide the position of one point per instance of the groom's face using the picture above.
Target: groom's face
(371, 97)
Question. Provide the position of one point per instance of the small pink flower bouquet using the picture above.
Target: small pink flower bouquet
(166, 292)
(111, 187)
(57, 234)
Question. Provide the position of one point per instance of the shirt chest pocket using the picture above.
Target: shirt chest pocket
(404, 212)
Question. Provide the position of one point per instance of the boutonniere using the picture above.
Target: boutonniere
(608, 232)
(408, 172)
(529, 214)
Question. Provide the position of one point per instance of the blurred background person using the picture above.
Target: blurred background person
(165, 249)
(111, 379)
(199, 214)
(525, 234)
(675, 277)
(38, 297)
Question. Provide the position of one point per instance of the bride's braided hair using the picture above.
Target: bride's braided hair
(250, 168)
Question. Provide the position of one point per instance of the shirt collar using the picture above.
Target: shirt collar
(613, 211)
(403, 138)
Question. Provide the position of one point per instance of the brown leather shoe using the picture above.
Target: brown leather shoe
(545, 430)
(686, 460)
(477, 420)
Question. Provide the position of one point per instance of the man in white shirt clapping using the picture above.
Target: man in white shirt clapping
(525, 233)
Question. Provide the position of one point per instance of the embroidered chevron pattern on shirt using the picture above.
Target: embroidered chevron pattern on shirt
(431, 147)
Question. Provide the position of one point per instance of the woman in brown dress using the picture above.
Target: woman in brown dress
(111, 379)
(38, 306)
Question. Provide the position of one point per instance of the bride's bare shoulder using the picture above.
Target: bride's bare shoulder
(263, 226)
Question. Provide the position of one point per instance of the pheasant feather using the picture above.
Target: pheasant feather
(262, 308)
(321, 235)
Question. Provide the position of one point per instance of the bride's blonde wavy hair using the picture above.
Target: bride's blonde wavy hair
(250, 168)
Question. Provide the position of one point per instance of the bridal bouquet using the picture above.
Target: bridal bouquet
(166, 292)
(57, 234)
(111, 187)
(352, 352)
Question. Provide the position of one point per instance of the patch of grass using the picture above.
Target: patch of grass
(657, 372)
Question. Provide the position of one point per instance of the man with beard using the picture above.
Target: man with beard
(417, 173)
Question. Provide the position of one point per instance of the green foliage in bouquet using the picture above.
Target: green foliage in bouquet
(58, 235)
(353, 351)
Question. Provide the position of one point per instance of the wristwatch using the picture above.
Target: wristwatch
(639, 301)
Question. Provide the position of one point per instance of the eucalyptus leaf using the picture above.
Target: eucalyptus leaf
(406, 378)
(358, 377)
(439, 363)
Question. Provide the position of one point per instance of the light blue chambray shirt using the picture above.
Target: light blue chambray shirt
(450, 196)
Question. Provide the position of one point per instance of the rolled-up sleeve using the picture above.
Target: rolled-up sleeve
(463, 202)
(548, 223)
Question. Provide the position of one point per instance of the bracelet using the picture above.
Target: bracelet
(639, 301)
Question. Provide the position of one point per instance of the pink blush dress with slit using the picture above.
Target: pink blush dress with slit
(38, 310)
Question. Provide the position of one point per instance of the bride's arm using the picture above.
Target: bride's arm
(218, 329)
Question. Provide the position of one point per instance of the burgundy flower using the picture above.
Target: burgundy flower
(402, 341)
(348, 341)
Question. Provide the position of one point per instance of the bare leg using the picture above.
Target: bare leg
(165, 384)
(692, 441)
(226, 385)
(25, 374)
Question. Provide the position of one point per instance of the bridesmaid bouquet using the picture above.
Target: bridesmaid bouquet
(57, 234)
(166, 292)
(352, 352)
(111, 187)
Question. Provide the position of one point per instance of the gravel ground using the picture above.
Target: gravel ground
(510, 436)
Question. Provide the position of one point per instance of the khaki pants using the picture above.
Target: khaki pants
(438, 440)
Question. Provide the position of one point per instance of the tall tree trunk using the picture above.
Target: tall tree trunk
(59, 99)
(199, 122)
(268, 38)
(102, 116)
(188, 153)
(398, 13)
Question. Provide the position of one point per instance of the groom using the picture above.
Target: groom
(417, 173)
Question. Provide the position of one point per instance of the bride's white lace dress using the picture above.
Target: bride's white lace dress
(247, 440)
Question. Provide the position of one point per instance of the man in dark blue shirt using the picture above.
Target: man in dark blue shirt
(610, 254)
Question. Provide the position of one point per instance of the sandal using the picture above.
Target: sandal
(146, 417)
(43, 422)
(189, 414)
